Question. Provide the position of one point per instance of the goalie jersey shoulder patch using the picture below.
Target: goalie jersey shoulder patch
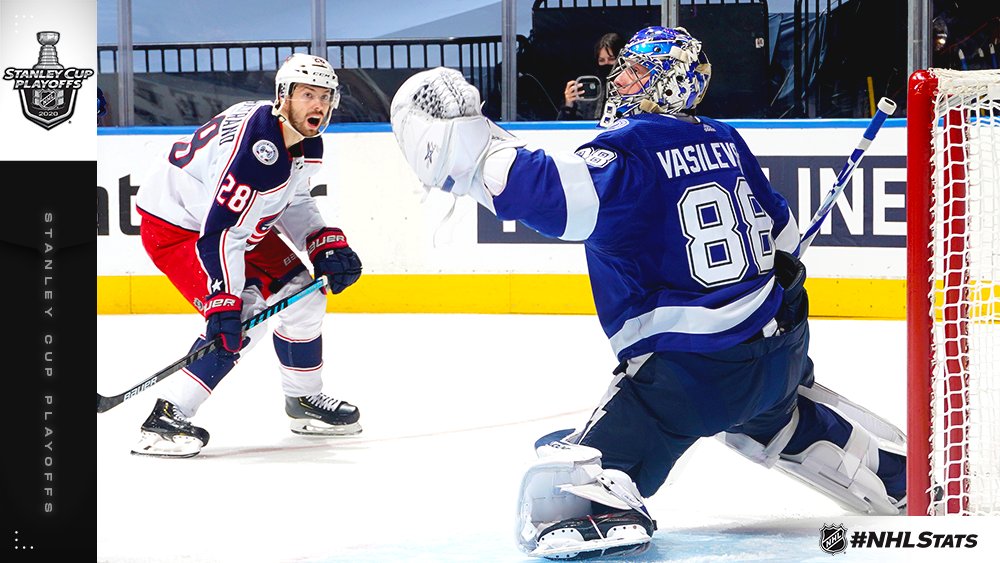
(597, 158)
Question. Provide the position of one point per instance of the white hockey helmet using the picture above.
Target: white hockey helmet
(302, 68)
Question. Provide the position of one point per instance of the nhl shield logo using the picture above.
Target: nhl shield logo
(833, 539)
(48, 89)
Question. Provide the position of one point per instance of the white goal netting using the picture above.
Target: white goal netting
(965, 293)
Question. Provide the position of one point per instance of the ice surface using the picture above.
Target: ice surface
(451, 406)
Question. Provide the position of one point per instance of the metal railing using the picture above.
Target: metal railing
(383, 63)
(267, 55)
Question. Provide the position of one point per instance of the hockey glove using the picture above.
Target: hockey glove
(222, 316)
(332, 257)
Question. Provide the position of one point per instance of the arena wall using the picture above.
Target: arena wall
(428, 252)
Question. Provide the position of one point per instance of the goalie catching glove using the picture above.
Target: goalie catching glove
(444, 136)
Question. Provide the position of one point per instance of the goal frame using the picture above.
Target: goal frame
(924, 301)
(920, 96)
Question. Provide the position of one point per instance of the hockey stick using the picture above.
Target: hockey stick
(107, 403)
(886, 107)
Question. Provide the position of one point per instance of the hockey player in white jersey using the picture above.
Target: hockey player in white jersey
(211, 209)
(692, 258)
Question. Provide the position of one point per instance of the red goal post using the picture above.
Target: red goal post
(953, 292)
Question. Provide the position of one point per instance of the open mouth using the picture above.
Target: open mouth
(314, 121)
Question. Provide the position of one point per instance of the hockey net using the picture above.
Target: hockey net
(953, 292)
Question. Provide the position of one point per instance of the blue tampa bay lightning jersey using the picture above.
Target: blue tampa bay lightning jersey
(680, 227)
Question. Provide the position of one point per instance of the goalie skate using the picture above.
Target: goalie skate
(319, 415)
(619, 534)
(168, 433)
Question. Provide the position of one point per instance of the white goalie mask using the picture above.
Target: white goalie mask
(302, 68)
(667, 68)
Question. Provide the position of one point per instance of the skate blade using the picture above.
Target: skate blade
(152, 444)
(569, 544)
(310, 427)
(613, 550)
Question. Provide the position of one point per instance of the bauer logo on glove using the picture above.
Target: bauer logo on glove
(333, 258)
(221, 303)
(326, 240)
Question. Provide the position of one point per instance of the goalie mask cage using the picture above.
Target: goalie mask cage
(953, 292)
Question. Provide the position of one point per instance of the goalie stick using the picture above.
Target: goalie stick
(886, 107)
(105, 404)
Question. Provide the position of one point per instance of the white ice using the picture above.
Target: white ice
(451, 406)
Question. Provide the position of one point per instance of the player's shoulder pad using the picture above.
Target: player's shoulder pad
(312, 148)
(262, 124)
(597, 157)
(624, 132)
(262, 160)
(258, 133)
(708, 122)
(721, 129)
(608, 145)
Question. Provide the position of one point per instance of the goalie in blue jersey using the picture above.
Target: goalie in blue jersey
(692, 257)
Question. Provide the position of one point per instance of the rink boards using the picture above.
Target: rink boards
(421, 254)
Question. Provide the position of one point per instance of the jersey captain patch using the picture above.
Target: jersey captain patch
(266, 152)
(598, 158)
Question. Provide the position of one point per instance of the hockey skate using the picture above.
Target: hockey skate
(618, 534)
(168, 433)
(319, 415)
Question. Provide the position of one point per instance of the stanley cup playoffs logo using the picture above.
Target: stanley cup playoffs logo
(48, 89)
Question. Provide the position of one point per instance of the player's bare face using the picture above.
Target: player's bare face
(631, 80)
(308, 107)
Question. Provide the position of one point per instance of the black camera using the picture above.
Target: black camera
(591, 87)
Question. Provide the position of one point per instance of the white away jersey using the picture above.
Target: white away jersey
(232, 181)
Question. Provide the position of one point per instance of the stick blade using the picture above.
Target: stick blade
(104, 404)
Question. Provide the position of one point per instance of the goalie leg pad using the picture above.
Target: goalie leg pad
(846, 475)
(890, 438)
(843, 476)
(558, 489)
(766, 455)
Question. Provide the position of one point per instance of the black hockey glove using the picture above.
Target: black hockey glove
(332, 257)
(222, 317)
(791, 274)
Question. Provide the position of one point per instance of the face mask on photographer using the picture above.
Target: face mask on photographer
(605, 62)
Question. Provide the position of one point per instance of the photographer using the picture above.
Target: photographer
(580, 104)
